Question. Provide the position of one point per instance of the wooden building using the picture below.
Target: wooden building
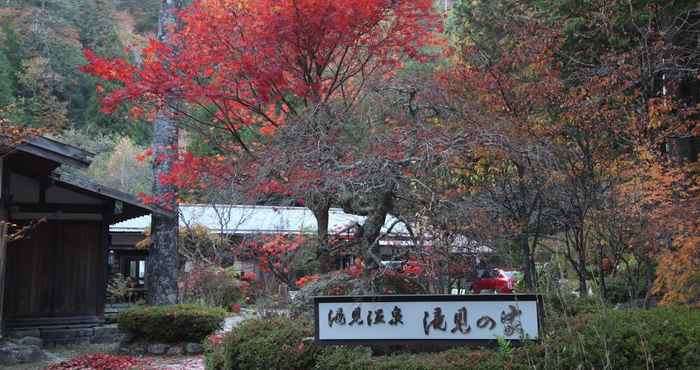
(56, 275)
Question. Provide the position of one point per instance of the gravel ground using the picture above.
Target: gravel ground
(175, 363)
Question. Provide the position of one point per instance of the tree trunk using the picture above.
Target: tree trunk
(527, 264)
(582, 285)
(321, 212)
(372, 228)
(3, 257)
(583, 264)
(161, 281)
(601, 269)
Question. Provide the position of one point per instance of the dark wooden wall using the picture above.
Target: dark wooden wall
(56, 272)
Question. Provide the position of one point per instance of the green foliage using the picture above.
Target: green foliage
(115, 163)
(119, 289)
(214, 352)
(568, 305)
(7, 88)
(171, 323)
(145, 13)
(482, 22)
(630, 339)
(359, 358)
(591, 33)
(55, 32)
(277, 343)
(622, 289)
(343, 357)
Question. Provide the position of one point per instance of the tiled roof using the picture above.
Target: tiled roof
(244, 219)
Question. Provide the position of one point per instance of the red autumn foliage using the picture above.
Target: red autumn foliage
(273, 254)
(99, 361)
(306, 279)
(249, 277)
(246, 60)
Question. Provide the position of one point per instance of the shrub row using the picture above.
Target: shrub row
(172, 323)
(663, 338)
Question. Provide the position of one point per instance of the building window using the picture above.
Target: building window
(137, 271)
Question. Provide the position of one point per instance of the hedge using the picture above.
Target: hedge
(359, 358)
(632, 339)
(171, 323)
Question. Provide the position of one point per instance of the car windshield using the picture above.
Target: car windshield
(509, 274)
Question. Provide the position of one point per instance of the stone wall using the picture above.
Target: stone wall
(73, 335)
(20, 351)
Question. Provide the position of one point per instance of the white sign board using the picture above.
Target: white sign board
(365, 319)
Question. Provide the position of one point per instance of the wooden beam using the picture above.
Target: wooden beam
(3, 258)
(55, 216)
(56, 207)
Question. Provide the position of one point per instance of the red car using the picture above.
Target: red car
(495, 280)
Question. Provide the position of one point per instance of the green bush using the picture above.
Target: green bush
(170, 324)
(359, 358)
(622, 289)
(274, 343)
(630, 339)
(662, 338)
(342, 357)
(214, 353)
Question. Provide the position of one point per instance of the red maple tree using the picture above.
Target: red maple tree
(244, 69)
(255, 63)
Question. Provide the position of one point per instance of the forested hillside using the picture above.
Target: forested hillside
(41, 49)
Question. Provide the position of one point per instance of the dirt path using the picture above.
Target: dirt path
(175, 363)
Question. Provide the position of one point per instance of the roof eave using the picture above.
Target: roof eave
(56, 151)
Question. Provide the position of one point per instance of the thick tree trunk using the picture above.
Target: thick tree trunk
(372, 229)
(321, 212)
(162, 259)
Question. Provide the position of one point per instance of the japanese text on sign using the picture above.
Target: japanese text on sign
(451, 319)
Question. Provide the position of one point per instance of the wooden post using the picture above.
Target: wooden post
(3, 258)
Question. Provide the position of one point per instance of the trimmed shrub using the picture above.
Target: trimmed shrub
(359, 358)
(274, 343)
(172, 323)
(342, 357)
(662, 338)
